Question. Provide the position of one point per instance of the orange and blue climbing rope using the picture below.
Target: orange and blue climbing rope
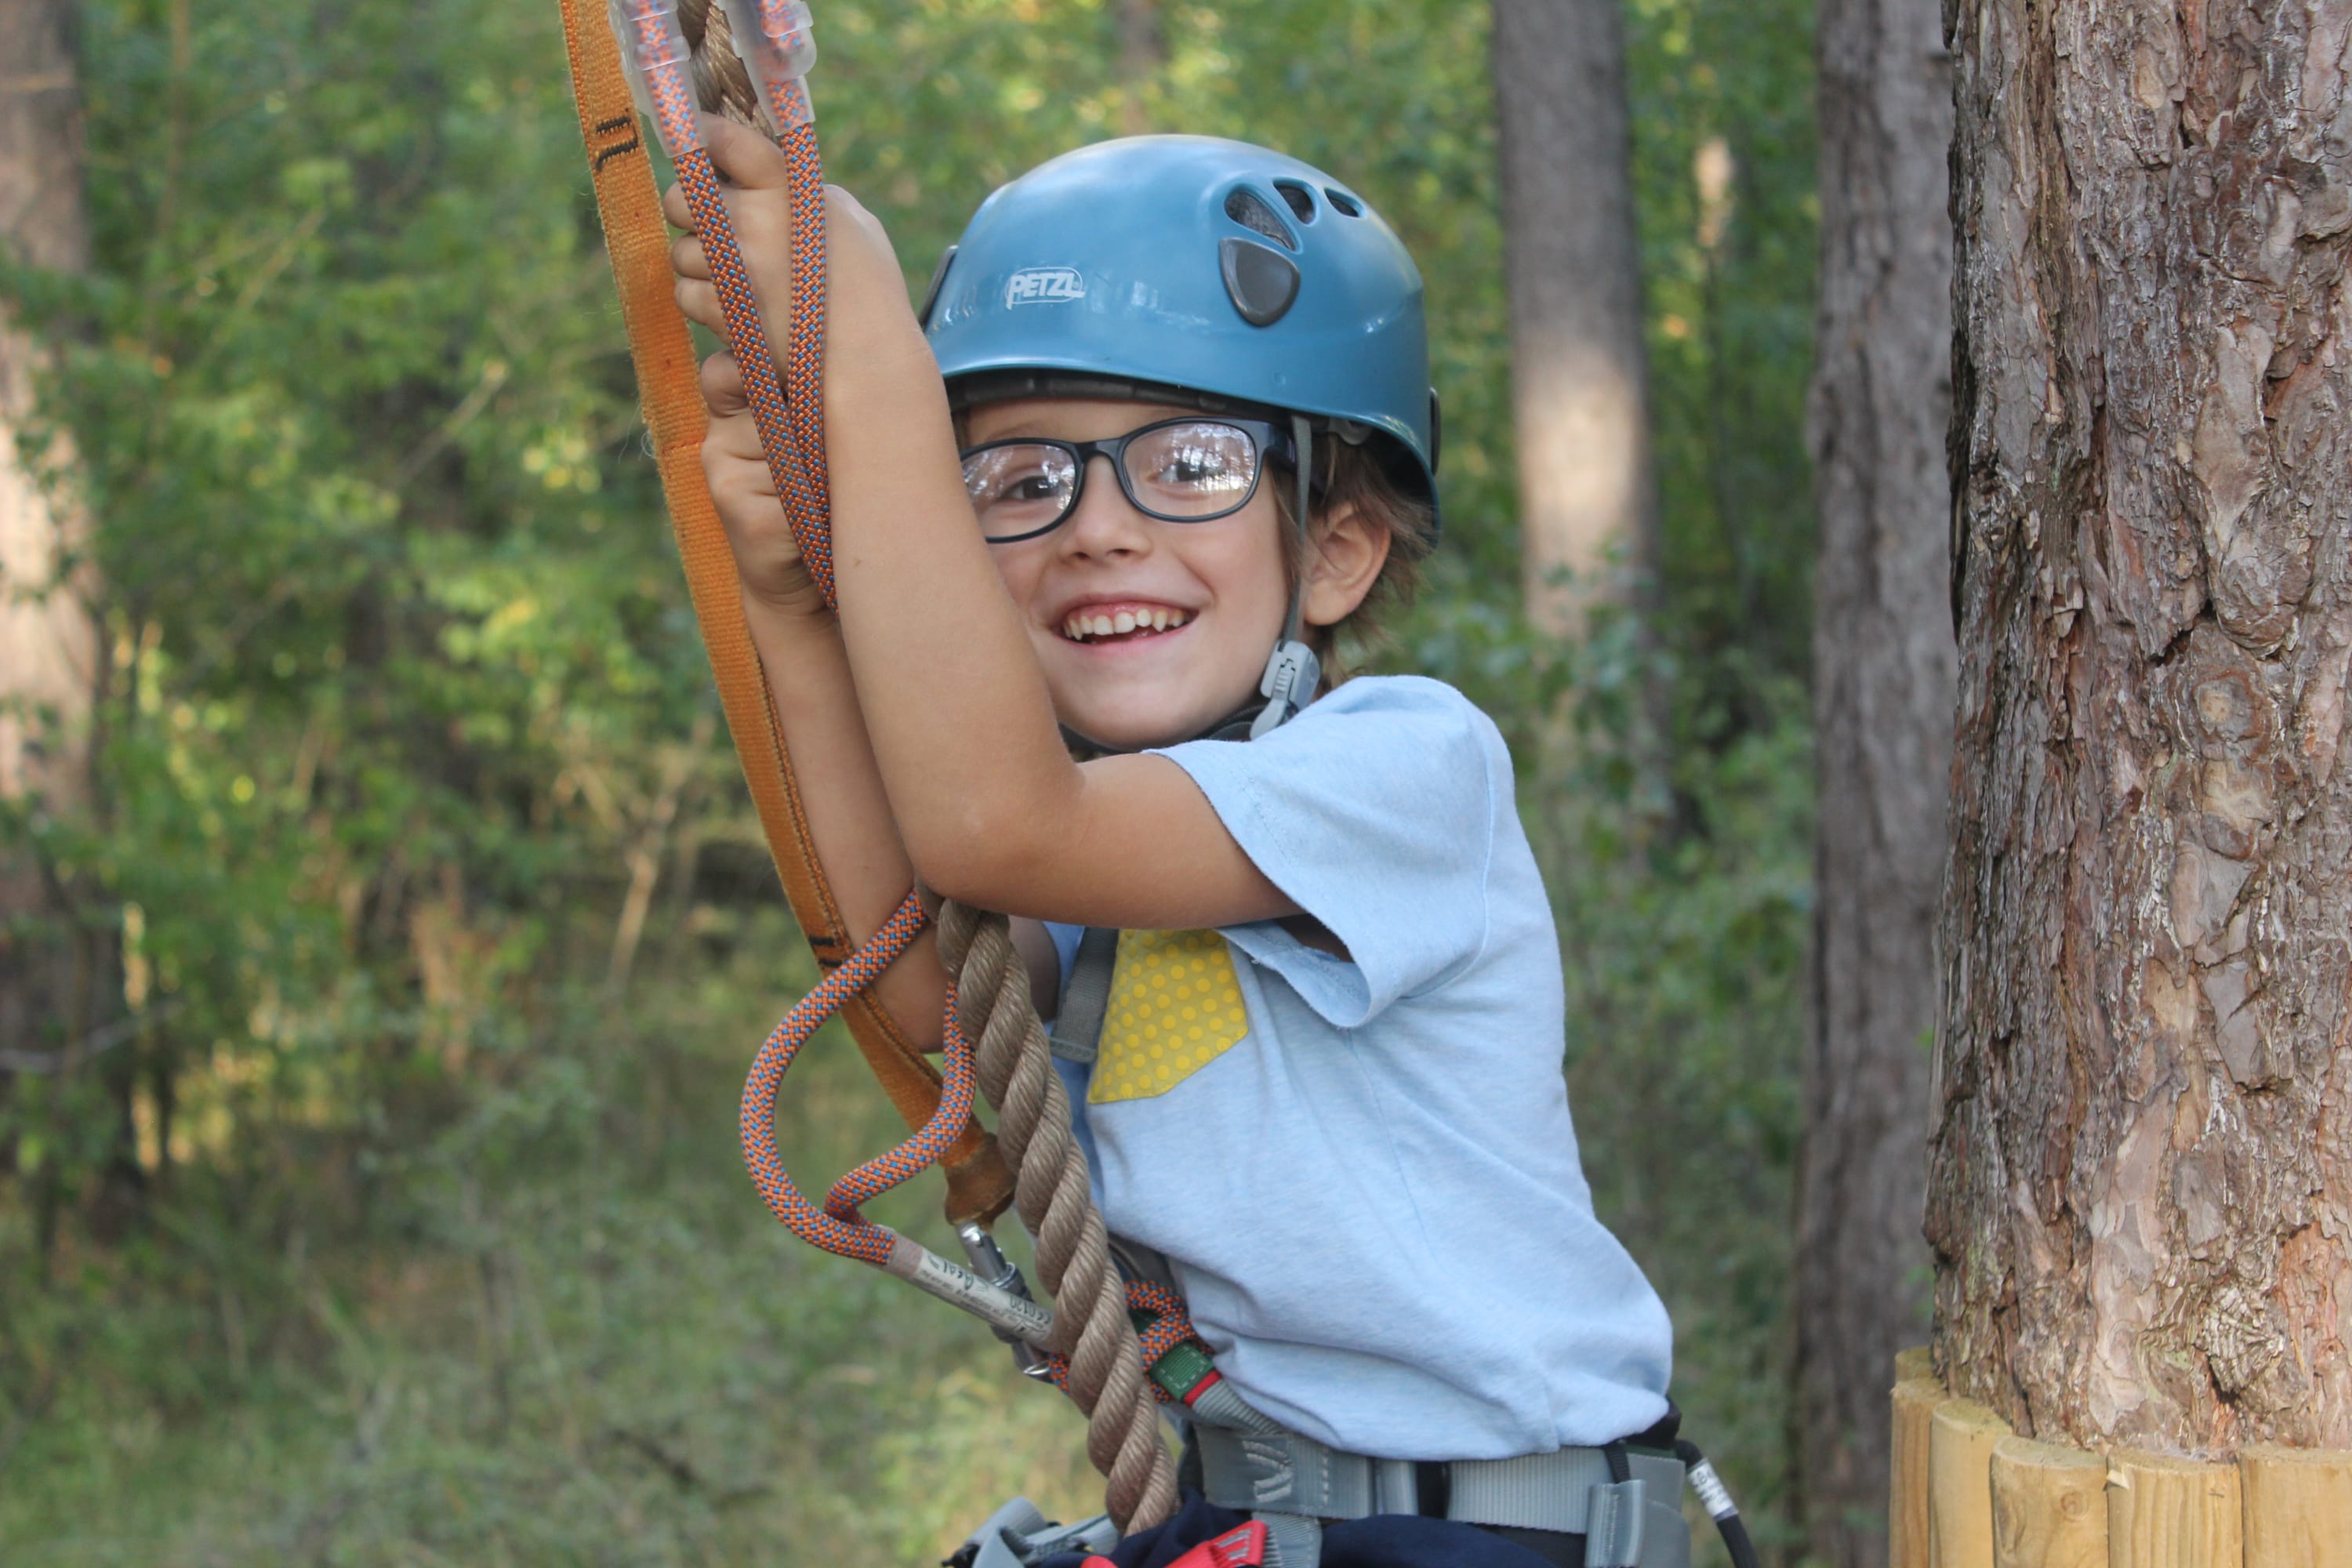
(789, 415)
(1175, 1360)
(838, 1227)
(792, 430)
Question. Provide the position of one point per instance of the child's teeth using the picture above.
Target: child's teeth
(1082, 626)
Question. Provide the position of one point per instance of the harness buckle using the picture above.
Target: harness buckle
(1614, 1516)
(1242, 1548)
(1292, 674)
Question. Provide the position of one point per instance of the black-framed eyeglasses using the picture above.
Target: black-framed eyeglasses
(1193, 470)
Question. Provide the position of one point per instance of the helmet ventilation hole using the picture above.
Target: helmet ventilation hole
(1345, 206)
(1301, 199)
(1250, 210)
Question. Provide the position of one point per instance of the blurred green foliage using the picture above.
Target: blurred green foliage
(407, 1228)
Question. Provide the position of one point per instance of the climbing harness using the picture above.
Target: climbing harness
(640, 57)
(1622, 1498)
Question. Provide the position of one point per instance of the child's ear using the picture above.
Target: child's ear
(1348, 553)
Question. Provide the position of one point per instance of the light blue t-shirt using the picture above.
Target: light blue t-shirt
(1364, 1171)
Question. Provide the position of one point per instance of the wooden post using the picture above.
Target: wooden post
(1960, 1442)
(1914, 1401)
(2049, 1507)
(1967, 1494)
(2298, 1506)
(2163, 1512)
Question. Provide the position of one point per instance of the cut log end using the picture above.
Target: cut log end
(1962, 1437)
(2298, 1506)
(2168, 1512)
(2049, 1506)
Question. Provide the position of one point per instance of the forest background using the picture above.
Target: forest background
(446, 932)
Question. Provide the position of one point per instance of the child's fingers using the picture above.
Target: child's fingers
(699, 301)
(748, 160)
(732, 453)
(733, 458)
(722, 386)
(688, 260)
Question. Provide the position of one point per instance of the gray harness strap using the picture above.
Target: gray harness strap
(1293, 1483)
(1282, 1472)
(1085, 996)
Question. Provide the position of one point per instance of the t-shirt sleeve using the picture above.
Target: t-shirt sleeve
(1375, 810)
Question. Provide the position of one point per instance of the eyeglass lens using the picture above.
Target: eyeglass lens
(1183, 472)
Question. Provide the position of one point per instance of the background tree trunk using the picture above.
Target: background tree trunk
(1142, 55)
(1579, 367)
(1883, 670)
(2141, 1188)
(49, 644)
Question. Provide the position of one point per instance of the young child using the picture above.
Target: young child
(1327, 1085)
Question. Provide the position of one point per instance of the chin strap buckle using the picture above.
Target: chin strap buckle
(1292, 675)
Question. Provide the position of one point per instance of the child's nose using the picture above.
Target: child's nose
(1104, 522)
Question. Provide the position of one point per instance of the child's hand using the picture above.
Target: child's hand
(767, 557)
(866, 309)
(867, 315)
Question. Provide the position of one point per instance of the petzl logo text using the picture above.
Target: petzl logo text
(1046, 286)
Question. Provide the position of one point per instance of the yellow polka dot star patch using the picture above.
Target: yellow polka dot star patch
(1175, 1006)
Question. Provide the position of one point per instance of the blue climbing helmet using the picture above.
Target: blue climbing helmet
(1210, 268)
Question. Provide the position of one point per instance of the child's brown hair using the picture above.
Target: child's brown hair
(1361, 475)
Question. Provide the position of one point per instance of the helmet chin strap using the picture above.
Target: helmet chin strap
(1293, 672)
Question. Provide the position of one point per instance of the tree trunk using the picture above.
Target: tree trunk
(1883, 669)
(1142, 55)
(1579, 367)
(2141, 1181)
(49, 644)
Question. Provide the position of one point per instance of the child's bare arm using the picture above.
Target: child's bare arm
(800, 646)
(958, 728)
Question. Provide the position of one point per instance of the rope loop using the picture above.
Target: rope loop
(838, 1227)
(1161, 1324)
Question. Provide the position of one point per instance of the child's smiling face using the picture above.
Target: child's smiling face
(1205, 601)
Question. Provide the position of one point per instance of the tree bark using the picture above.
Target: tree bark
(2141, 1180)
(1884, 674)
(48, 643)
(1580, 369)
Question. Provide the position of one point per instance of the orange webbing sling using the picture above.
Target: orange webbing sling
(637, 237)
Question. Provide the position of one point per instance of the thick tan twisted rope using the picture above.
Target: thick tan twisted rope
(1050, 1191)
(1016, 1073)
(721, 83)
